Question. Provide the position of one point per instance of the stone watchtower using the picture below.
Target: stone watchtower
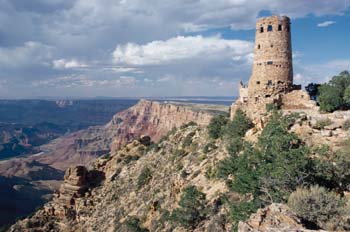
(271, 81)
(272, 68)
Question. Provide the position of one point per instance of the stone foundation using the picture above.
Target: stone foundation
(297, 99)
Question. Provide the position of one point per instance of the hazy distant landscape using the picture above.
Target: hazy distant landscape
(27, 124)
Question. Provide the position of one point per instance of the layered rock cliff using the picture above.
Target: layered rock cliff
(156, 119)
(145, 118)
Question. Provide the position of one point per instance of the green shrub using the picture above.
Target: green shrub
(211, 172)
(271, 107)
(179, 167)
(144, 177)
(154, 147)
(235, 131)
(166, 137)
(330, 98)
(317, 205)
(165, 216)
(209, 147)
(194, 147)
(235, 145)
(332, 170)
(238, 126)
(119, 120)
(347, 96)
(340, 164)
(106, 156)
(188, 125)
(335, 94)
(184, 174)
(129, 158)
(271, 169)
(241, 211)
(188, 139)
(227, 167)
(134, 225)
(322, 123)
(216, 126)
(346, 125)
(341, 81)
(179, 153)
(191, 210)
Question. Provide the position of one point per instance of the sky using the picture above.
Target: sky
(153, 48)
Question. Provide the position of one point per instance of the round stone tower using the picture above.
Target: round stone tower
(271, 81)
(272, 68)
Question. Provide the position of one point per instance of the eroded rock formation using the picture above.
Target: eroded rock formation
(273, 218)
(150, 118)
(75, 186)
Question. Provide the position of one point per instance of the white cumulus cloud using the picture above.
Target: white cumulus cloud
(181, 48)
(67, 64)
(326, 24)
(30, 53)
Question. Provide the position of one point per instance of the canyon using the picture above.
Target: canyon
(42, 173)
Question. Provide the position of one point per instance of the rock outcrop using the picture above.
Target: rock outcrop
(43, 172)
(75, 185)
(141, 184)
(141, 181)
(318, 129)
(273, 218)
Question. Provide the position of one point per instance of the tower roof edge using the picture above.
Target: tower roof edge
(273, 17)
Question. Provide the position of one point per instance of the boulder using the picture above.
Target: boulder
(145, 140)
(333, 126)
(273, 218)
(326, 133)
(76, 176)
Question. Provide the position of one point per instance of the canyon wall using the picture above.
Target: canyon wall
(151, 118)
(42, 173)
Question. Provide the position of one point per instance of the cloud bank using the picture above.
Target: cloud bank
(181, 48)
(87, 48)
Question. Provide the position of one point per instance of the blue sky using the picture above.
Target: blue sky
(126, 48)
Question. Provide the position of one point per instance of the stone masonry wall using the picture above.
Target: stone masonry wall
(272, 68)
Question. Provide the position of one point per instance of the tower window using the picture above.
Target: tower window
(258, 82)
(269, 82)
(269, 62)
(269, 28)
(279, 27)
(288, 28)
(261, 29)
(258, 46)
